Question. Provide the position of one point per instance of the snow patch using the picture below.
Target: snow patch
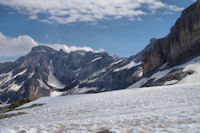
(5, 77)
(140, 74)
(92, 80)
(138, 83)
(160, 74)
(55, 93)
(86, 89)
(195, 77)
(163, 66)
(31, 75)
(98, 72)
(42, 84)
(128, 66)
(117, 62)
(171, 82)
(52, 80)
(15, 87)
(98, 58)
(21, 73)
(193, 65)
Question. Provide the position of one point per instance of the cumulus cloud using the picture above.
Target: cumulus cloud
(69, 11)
(69, 49)
(14, 47)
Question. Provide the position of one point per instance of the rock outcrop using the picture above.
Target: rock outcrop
(181, 44)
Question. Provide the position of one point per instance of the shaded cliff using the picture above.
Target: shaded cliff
(180, 45)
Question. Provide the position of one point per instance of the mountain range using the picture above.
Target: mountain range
(45, 71)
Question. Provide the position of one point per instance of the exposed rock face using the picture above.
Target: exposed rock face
(47, 72)
(182, 43)
(174, 75)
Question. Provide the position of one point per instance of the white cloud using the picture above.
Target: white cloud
(21, 45)
(69, 11)
(15, 46)
(69, 49)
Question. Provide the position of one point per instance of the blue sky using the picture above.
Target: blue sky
(121, 27)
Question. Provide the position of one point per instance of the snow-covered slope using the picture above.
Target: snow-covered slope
(156, 109)
(186, 73)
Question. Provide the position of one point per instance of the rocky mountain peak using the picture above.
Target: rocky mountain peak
(42, 48)
(47, 72)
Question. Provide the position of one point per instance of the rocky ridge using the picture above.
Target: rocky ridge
(47, 72)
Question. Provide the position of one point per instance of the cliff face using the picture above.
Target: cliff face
(180, 44)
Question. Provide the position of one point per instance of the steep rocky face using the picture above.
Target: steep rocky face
(182, 43)
(47, 72)
(118, 75)
(22, 78)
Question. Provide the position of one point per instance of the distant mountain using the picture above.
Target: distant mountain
(47, 72)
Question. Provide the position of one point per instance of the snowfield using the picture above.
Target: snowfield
(157, 109)
(192, 65)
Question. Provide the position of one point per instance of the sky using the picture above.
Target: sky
(119, 27)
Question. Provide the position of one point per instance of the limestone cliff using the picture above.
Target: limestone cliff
(182, 43)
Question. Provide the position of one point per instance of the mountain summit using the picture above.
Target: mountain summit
(47, 72)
